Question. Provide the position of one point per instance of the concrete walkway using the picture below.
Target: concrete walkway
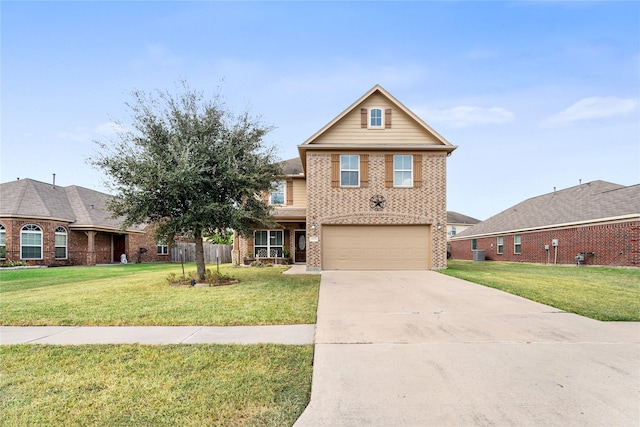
(76, 335)
(425, 349)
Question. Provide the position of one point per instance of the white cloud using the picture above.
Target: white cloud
(79, 134)
(109, 128)
(465, 116)
(594, 108)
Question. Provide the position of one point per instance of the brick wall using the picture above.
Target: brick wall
(615, 244)
(77, 244)
(423, 205)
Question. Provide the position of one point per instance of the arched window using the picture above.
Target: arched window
(376, 118)
(61, 243)
(3, 242)
(31, 242)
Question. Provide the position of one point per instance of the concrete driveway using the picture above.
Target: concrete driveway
(424, 349)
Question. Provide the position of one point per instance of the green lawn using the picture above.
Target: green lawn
(170, 385)
(138, 294)
(600, 293)
(136, 385)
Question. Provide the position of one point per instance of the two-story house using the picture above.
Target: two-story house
(368, 193)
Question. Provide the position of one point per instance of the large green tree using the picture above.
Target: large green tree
(188, 165)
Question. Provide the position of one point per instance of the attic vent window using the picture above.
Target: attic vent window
(375, 118)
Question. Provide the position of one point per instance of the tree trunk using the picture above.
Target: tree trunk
(199, 256)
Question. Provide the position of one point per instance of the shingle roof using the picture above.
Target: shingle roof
(292, 166)
(81, 207)
(583, 203)
(458, 218)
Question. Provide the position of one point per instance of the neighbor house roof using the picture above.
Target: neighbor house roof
(594, 201)
(458, 218)
(82, 208)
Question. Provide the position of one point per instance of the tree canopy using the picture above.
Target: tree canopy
(189, 166)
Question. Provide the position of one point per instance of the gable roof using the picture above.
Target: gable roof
(594, 201)
(458, 218)
(441, 144)
(82, 208)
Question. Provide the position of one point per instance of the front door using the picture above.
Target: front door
(300, 253)
(118, 247)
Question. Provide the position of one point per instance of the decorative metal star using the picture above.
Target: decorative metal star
(377, 202)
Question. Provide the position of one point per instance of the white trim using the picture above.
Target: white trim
(268, 245)
(586, 223)
(403, 170)
(284, 193)
(350, 170)
(519, 243)
(66, 242)
(369, 125)
(40, 232)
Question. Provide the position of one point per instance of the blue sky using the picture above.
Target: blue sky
(536, 95)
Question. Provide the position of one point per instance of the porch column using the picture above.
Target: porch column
(91, 247)
(235, 253)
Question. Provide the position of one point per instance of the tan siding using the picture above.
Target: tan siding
(299, 193)
(403, 130)
(289, 192)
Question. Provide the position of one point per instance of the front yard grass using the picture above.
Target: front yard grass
(601, 293)
(138, 294)
(137, 385)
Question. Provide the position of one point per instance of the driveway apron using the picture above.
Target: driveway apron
(424, 349)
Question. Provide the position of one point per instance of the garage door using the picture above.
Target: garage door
(375, 247)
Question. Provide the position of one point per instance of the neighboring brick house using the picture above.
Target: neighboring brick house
(45, 224)
(597, 223)
(368, 192)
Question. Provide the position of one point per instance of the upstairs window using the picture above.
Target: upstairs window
(61, 243)
(349, 170)
(403, 170)
(3, 242)
(277, 194)
(453, 231)
(31, 242)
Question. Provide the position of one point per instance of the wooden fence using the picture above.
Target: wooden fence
(188, 251)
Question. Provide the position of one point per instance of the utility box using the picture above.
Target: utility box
(478, 255)
(554, 242)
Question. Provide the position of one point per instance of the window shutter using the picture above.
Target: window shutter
(387, 118)
(335, 170)
(364, 170)
(289, 192)
(417, 170)
(363, 118)
(388, 170)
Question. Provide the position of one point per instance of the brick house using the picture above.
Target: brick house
(597, 223)
(368, 192)
(45, 224)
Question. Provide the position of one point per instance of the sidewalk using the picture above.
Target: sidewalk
(76, 335)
